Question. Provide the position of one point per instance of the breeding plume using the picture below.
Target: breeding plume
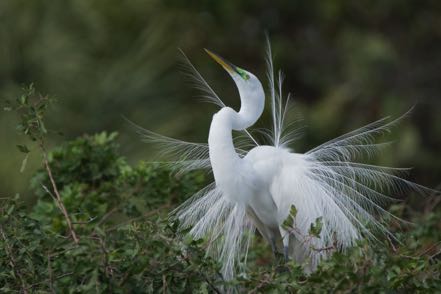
(305, 205)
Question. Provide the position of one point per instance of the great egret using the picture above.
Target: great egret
(305, 205)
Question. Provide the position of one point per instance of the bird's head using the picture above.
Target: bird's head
(240, 76)
(250, 89)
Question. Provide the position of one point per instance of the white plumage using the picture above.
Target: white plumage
(256, 188)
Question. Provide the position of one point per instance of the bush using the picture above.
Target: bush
(127, 245)
(119, 212)
(95, 182)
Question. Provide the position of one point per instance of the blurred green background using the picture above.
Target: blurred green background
(346, 62)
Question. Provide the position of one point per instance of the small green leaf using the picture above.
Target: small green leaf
(23, 100)
(41, 107)
(288, 223)
(316, 227)
(293, 211)
(42, 127)
(23, 149)
(24, 163)
(10, 210)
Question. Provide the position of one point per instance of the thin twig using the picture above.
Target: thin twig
(394, 249)
(51, 277)
(436, 254)
(91, 219)
(213, 287)
(164, 284)
(12, 262)
(323, 249)
(106, 216)
(56, 278)
(145, 215)
(262, 283)
(57, 194)
(427, 250)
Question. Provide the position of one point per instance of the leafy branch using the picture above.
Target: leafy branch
(315, 229)
(31, 108)
(12, 261)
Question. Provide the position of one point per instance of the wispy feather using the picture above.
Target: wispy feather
(280, 135)
(208, 94)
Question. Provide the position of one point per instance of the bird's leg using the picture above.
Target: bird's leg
(285, 235)
(274, 249)
(278, 257)
(286, 252)
(273, 246)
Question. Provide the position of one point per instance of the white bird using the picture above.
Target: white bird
(305, 205)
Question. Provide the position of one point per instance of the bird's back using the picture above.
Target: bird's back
(272, 166)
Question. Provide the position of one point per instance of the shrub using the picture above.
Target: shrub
(126, 243)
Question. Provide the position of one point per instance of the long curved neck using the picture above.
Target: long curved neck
(220, 139)
(223, 156)
(225, 162)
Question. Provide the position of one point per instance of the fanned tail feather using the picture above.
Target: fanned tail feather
(348, 195)
(223, 224)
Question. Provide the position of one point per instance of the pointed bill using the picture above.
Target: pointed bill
(228, 66)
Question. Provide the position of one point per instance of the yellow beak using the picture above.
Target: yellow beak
(225, 64)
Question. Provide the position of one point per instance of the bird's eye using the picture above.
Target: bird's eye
(243, 74)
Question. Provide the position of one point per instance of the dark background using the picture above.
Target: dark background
(346, 62)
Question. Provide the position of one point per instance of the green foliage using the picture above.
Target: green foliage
(119, 212)
(138, 257)
(288, 223)
(128, 245)
(316, 227)
(88, 159)
(31, 108)
(95, 182)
